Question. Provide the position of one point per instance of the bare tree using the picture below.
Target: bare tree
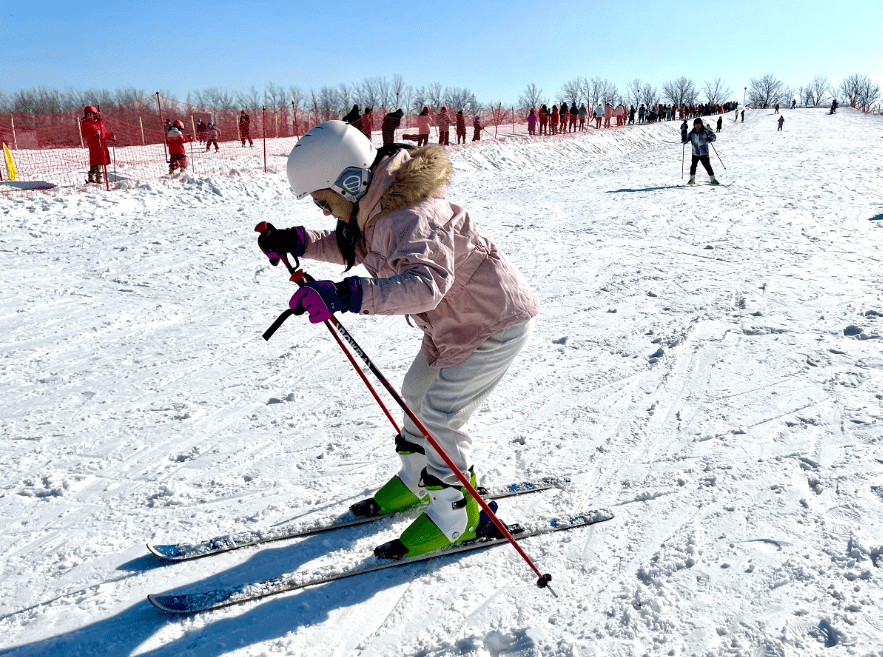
(633, 92)
(296, 96)
(649, 94)
(323, 104)
(457, 99)
(680, 92)
(399, 92)
(766, 90)
(594, 90)
(128, 95)
(814, 93)
(435, 94)
(716, 91)
(251, 100)
(572, 90)
(345, 96)
(274, 95)
(368, 93)
(610, 93)
(859, 90)
(419, 99)
(532, 97)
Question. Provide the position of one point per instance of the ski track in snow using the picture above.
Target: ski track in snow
(693, 370)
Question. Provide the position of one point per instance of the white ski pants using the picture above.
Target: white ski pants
(445, 399)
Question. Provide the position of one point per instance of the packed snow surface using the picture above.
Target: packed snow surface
(708, 364)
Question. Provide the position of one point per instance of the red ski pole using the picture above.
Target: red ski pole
(718, 156)
(334, 325)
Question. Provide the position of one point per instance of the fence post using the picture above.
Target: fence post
(14, 139)
(192, 125)
(293, 119)
(141, 124)
(162, 127)
(264, 130)
(513, 120)
(80, 128)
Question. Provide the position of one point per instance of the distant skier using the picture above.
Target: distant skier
(793, 103)
(720, 123)
(424, 121)
(743, 116)
(95, 136)
(390, 123)
(461, 125)
(212, 132)
(833, 105)
(200, 131)
(699, 138)
(176, 139)
(781, 121)
(353, 117)
(244, 127)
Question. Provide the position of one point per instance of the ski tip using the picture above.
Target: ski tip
(164, 552)
(166, 603)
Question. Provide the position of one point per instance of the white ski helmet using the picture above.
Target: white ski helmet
(331, 155)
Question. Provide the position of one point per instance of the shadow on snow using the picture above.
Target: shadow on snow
(266, 620)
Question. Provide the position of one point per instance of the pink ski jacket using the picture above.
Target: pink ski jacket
(428, 260)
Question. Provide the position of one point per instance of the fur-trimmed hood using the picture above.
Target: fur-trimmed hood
(406, 178)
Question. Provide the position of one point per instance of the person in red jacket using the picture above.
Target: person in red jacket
(476, 129)
(461, 127)
(443, 121)
(544, 120)
(176, 139)
(553, 122)
(95, 135)
(244, 128)
(367, 126)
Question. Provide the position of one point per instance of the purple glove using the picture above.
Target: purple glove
(322, 298)
(276, 243)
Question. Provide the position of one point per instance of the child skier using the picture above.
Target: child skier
(780, 122)
(427, 260)
(176, 139)
(212, 132)
(95, 135)
(699, 138)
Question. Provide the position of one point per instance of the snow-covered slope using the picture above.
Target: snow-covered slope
(694, 370)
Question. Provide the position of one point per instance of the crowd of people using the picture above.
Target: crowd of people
(559, 120)
(426, 119)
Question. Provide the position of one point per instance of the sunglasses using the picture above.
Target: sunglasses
(322, 205)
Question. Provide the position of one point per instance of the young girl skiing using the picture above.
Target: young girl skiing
(426, 260)
(699, 138)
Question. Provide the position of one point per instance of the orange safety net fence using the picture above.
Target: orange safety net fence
(50, 150)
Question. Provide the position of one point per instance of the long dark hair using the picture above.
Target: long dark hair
(347, 232)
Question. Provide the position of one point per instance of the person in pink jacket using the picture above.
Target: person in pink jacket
(426, 260)
(424, 120)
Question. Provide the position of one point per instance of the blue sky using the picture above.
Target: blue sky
(493, 49)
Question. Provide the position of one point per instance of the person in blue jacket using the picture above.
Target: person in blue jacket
(699, 138)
